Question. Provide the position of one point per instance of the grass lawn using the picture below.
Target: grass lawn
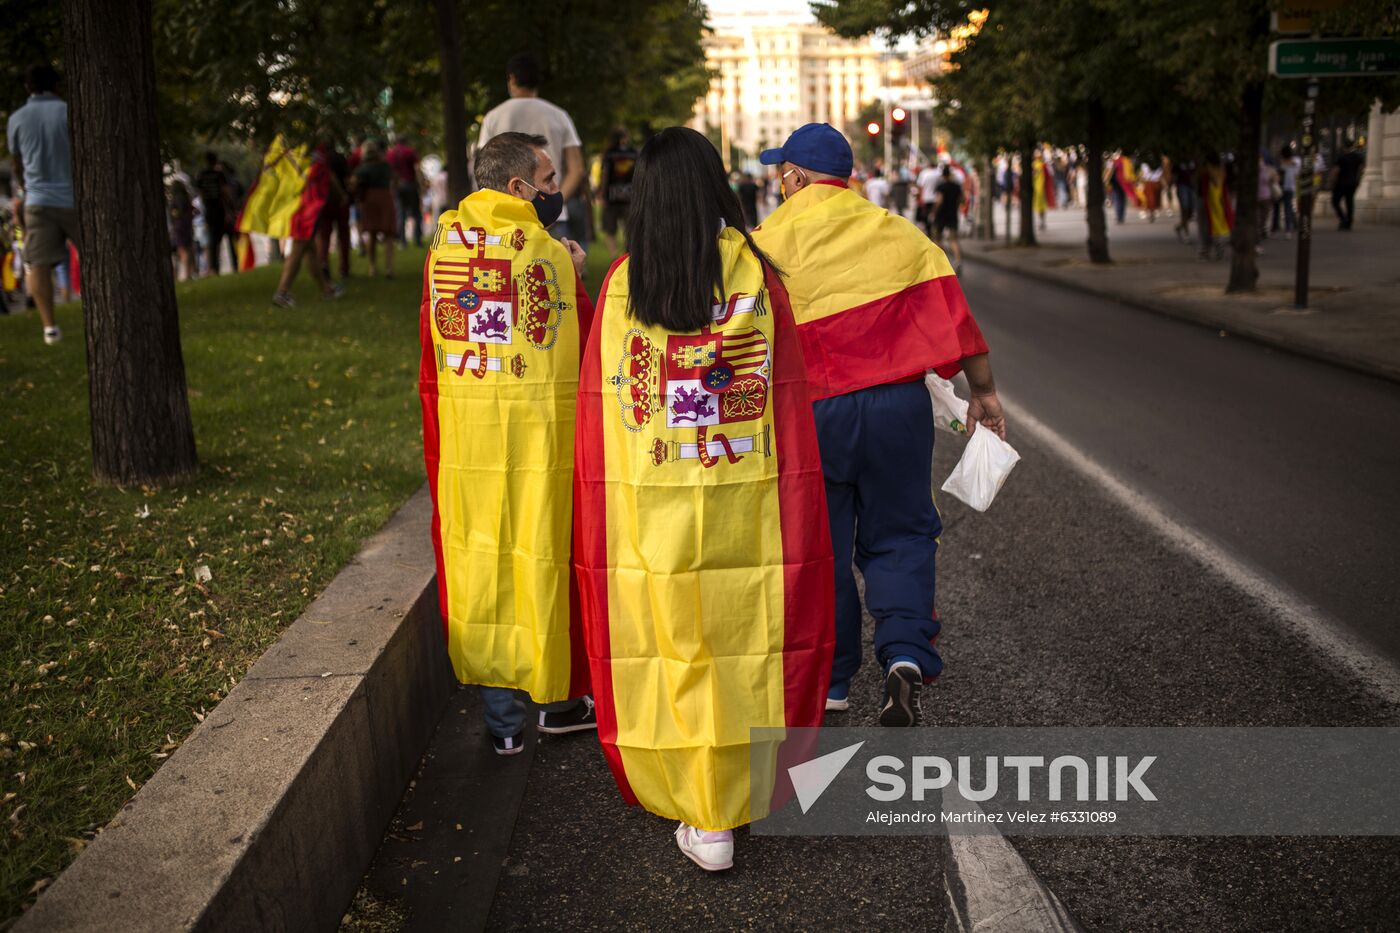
(309, 436)
(126, 615)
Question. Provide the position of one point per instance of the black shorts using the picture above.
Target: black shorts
(949, 224)
(613, 214)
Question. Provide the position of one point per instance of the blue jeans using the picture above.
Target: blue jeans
(504, 709)
(1186, 199)
(877, 455)
(1120, 202)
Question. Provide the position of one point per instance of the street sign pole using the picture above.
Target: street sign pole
(1305, 197)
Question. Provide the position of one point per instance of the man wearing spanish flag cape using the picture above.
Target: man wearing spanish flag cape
(876, 305)
(504, 316)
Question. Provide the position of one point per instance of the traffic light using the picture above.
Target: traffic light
(872, 128)
(899, 128)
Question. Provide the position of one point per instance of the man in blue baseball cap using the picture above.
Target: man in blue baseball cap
(816, 151)
(876, 305)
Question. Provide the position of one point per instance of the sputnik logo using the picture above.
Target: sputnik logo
(811, 778)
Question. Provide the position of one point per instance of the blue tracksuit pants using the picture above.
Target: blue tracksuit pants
(877, 455)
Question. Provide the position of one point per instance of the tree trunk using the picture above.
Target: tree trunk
(141, 431)
(1244, 265)
(1027, 237)
(1093, 192)
(986, 203)
(454, 108)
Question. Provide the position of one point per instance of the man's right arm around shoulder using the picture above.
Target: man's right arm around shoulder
(984, 408)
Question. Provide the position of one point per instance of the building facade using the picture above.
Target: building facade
(1378, 198)
(770, 77)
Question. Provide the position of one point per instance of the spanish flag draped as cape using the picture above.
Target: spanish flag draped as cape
(286, 198)
(703, 549)
(502, 323)
(875, 301)
(1043, 186)
(1126, 177)
(1218, 211)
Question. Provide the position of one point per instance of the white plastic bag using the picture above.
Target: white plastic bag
(949, 411)
(986, 463)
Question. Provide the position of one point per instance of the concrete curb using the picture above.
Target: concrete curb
(1185, 312)
(268, 815)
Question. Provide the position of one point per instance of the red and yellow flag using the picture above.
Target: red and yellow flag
(288, 194)
(874, 299)
(502, 322)
(1042, 186)
(1219, 212)
(1126, 176)
(703, 549)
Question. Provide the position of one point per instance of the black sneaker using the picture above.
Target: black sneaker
(509, 744)
(902, 685)
(576, 718)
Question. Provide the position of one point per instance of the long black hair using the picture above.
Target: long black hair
(679, 196)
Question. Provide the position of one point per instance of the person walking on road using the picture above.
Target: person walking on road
(870, 330)
(877, 189)
(615, 185)
(42, 165)
(704, 563)
(215, 204)
(503, 319)
(1288, 165)
(335, 216)
(1270, 191)
(926, 184)
(526, 112)
(947, 200)
(1217, 213)
(316, 190)
(179, 206)
(1346, 178)
(373, 184)
(1184, 178)
(403, 160)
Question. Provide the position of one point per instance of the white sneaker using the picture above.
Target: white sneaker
(52, 335)
(711, 851)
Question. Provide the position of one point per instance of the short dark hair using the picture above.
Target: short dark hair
(211, 158)
(40, 78)
(525, 70)
(507, 156)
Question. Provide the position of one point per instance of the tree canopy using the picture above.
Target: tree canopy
(235, 70)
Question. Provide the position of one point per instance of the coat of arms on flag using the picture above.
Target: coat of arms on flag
(486, 302)
(717, 377)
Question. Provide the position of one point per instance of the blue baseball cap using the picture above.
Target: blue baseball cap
(817, 146)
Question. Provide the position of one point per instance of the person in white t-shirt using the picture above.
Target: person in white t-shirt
(927, 183)
(877, 190)
(527, 112)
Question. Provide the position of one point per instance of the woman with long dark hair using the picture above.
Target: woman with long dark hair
(702, 545)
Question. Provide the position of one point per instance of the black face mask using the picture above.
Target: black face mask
(547, 206)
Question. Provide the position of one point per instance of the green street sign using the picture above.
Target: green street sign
(1333, 58)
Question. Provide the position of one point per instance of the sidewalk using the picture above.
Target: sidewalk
(1353, 318)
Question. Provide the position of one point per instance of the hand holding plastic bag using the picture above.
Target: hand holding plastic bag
(986, 463)
(949, 411)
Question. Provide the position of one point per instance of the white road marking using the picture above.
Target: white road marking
(1294, 612)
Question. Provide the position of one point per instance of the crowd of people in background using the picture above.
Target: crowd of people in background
(380, 195)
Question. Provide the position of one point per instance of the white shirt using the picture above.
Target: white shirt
(538, 117)
(928, 183)
(877, 191)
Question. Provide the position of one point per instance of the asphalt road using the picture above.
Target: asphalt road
(1291, 465)
(1059, 608)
